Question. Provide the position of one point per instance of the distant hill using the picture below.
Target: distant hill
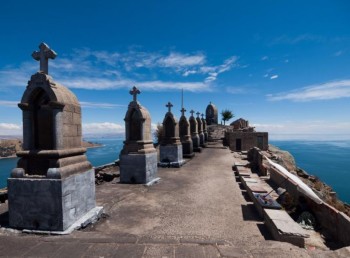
(9, 147)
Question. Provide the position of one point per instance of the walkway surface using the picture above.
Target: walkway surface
(197, 210)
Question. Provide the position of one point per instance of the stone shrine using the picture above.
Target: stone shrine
(138, 158)
(205, 130)
(185, 136)
(170, 150)
(200, 130)
(211, 114)
(194, 133)
(53, 186)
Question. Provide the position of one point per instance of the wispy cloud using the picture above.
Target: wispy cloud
(339, 53)
(274, 77)
(101, 128)
(99, 105)
(101, 70)
(235, 90)
(264, 58)
(291, 40)
(309, 129)
(325, 91)
(10, 129)
(5, 103)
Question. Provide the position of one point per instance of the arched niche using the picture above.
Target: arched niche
(193, 125)
(169, 127)
(135, 125)
(42, 120)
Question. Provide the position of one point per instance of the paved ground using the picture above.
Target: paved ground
(195, 211)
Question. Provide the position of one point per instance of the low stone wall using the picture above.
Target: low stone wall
(256, 157)
(336, 223)
(244, 141)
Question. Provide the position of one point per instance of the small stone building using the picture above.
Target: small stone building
(170, 149)
(211, 114)
(138, 158)
(240, 124)
(53, 185)
(242, 137)
(185, 136)
(194, 133)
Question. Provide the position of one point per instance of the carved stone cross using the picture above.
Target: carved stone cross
(198, 114)
(134, 91)
(183, 110)
(192, 112)
(43, 56)
(169, 106)
(202, 115)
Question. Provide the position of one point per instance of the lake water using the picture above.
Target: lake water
(108, 153)
(326, 160)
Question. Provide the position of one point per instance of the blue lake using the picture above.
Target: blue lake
(326, 160)
(108, 153)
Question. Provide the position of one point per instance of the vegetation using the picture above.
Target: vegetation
(158, 134)
(226, 115)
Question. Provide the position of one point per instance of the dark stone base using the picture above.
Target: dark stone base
(189, 156)
(50, 204)
(198, 149)
(138, 168)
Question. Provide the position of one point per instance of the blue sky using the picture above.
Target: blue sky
(282, 65)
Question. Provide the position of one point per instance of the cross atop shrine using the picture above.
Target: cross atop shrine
(183, 110)
(134, 91)
(202, 115)
(198, 114)
(169, 106)
(43, 56)
(192, 112)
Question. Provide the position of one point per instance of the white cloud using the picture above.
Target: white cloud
(264, 58)
(98, 105)
(10, 129)
(274, 77)
(235, 90)
(266, 75)
(101, 70)
(102, 128)
(325, 91)
(180, 60)
(5, 103)
(304, 130)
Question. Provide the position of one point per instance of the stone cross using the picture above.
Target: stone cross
(192, 112)
(198, 114)
(169, 105)
(43, 56)
(134, 93)
(202, 115)
(183, 110)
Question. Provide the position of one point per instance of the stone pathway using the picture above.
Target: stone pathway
(195, 211)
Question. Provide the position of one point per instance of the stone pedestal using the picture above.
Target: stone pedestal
(187, 147)
(52, 188)
(185, 137)
(50, 204)
(138, 158)
(138, 168)
(171, 155)
(196, 143)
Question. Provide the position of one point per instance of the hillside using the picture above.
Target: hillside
(9, 147)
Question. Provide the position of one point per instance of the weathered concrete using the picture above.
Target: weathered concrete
(197, 210)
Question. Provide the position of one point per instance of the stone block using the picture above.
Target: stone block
(138, 168)
(171, 155)
(76, 118)
(50, 204)
(67, 117)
